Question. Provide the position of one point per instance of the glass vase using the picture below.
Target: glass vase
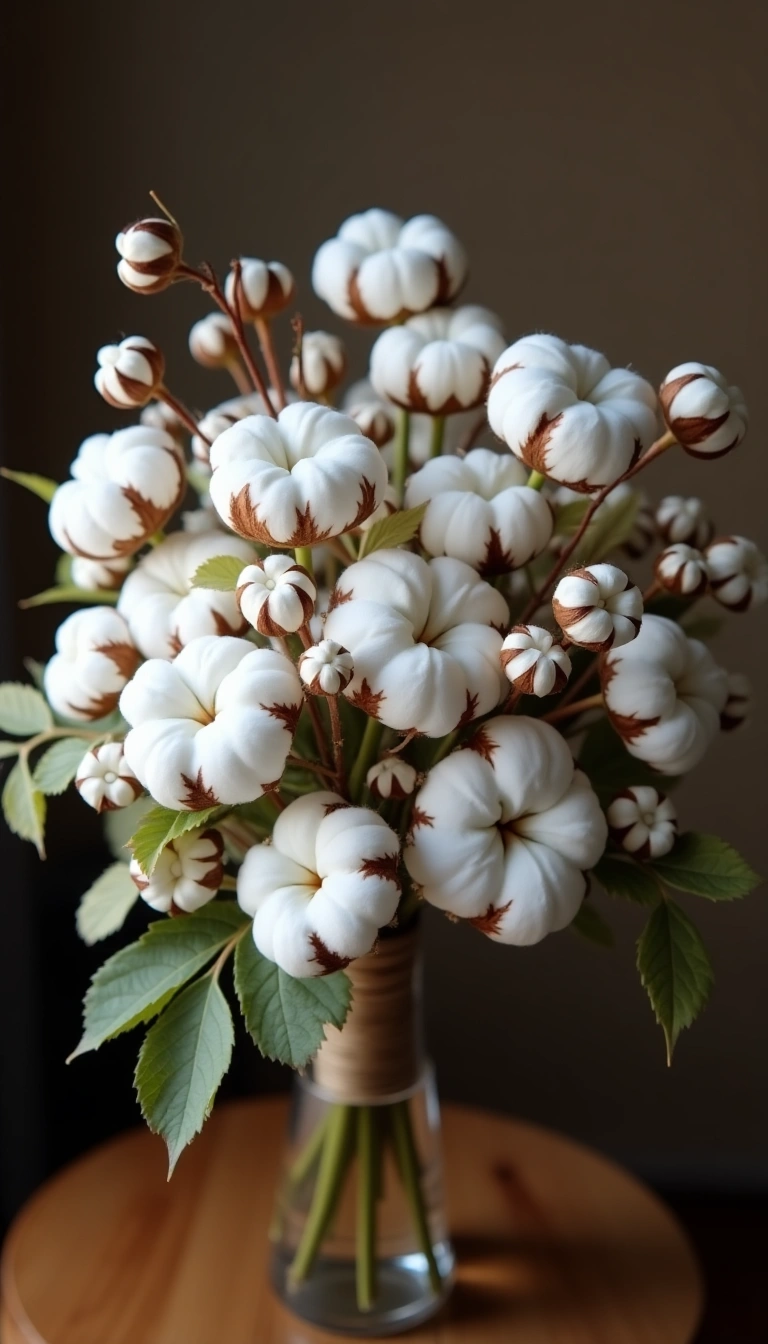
(360, 1242)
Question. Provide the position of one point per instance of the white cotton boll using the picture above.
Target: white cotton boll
(214, 726)
(643, 821)
(598, 607)
(438, 363)
(163, 609)
(320, 892)
(426, 233)
(100, 575)
(533, 663)
(738, 573)
(276, 596)
(294, 481)
(212, 341)
(503, 831)
(94, 659)
(566, 413)
(129, 374)
(222, 417)
(326, 668)
(265, 289)
(707, 417)
(682, 569)
(739, 704)
(187, 875)
(150, 252)
(323, 364)
(104, 779)
(391, 778)
(681, 519)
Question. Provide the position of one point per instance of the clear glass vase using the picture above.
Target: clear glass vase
(360, 1242)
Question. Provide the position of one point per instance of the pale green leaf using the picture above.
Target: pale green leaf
(285, 1016)
(36, 671)
(609, 529)
(182, 1062)
(23, 710)
(220, 572)
(569, 517)
(159, 827)
(41, 486)
(707, 866)
(57, 767)
(395, 530)
(24, 807)
(674, 969)
(626, 879)
(104, 907)
(9, 749)
(67, 592)
(120, 825)
(136, 983)
(591, 925)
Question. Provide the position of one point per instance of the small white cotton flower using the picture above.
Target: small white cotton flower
(738, 572)
(105, 780)
(740, 703)
(682, 569)
(323, 364)
(391, 778)
(707, 417)
(326, 668)
(100, 575)
(275, 595)
(266, 288)
(187, 875)
(320, 892)
(212, 341)
(150, 252)
(95, 657)
(680, 518)
(643, 821)
(222, 417)
(533, 663)
(374, 416)
(129, 374)
(438, 363)
(566, 413)
(598, 607)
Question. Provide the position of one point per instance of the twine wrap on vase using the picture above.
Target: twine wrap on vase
(378, 1054)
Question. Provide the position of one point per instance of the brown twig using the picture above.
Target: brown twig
(180, 410)
(264, 332)
(319, 728)
(315, 766)
(297, 323)
(577, 707)
(240, 377)
(337, 739)
(207, 278)
(591, 670)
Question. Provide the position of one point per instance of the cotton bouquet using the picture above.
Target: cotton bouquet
(394, 652)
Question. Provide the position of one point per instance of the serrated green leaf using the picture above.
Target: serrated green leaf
(702, 627)
(605, 759)
(626, 879)
(569, 517)
(589, 923)
(23, 710)
(182, 1062)
(675, 970)
(707, 866)
(287, 1017)
(395, 530)
(137, 982)
(159, 827)
(57, 767)
(609, 529)
(24, 807)
(220, 572)
(67, 592)
(9, 749)
(39, 485)
(36, 671)
(105, 905)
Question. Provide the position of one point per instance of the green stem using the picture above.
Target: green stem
(536, 480)
(297, 1174)
(304, 557)
(401, 454)
(445, 746)
(368, 1157)
(365, 758)
(436, 436)
(334, 1160)
(410, 1174)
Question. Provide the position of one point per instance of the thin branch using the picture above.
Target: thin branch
(577, 707)
(264, 332)
(180, 410)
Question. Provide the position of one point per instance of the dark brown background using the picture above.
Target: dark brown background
(605, 167)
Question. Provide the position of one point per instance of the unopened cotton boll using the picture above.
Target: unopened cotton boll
(374, 417)
(222, 417)
(276, 595)
(100, 575)
(566, 413)
(598, 607)
(503, 832)
(391, 778)
(129, 374)
(104, 779)
(320, 892)
(326, 668)
(740, 703)
(707, 417)
(738, 573)
(686, 519)
(265, 289)
(643, 821)
(438, 363)
(322, 366)
(187, 874)
(150, 252)
(212, 341)
(95, 658)
(682, 569)
(533, 663)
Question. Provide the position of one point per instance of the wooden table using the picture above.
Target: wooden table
(556, 1245)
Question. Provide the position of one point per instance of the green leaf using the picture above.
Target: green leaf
(702, 627)
(591, 925)
(104, 907)
(569, 517)
(286, 1017)
(36, 671)
(9, 749)
(57, 766)
(674, 969)
(182, 1062)
(24, 807)
(67, 592)
(23, 710)
(609, 529)
(395, 530)
(137, 982)
(707, 866)
(159, 827)
(39, 485)
(626, 879)
(220, 572)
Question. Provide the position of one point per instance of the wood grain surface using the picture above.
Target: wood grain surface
(556, 1245)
